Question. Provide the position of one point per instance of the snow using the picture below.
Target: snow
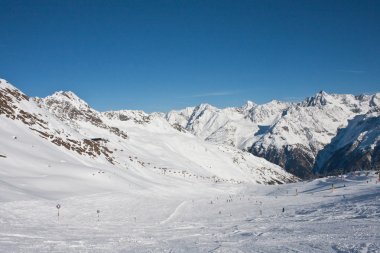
(248, 105)
(288, 134)
(68, 97)
(166, 191)
(316, 220)
(311, 123)
(154, 146)
(362, 135)
(5, 84)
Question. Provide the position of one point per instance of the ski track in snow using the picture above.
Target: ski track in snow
(343, 220)
(175, 212)
(168, 191)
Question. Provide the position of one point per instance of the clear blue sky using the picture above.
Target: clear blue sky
(158, 55)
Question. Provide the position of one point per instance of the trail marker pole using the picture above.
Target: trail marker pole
(58, 207)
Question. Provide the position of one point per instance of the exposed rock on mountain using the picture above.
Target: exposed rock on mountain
(145, 145)
(69, 108)
(291, 135)
(356, 146)
(288, 134)
(17, 106)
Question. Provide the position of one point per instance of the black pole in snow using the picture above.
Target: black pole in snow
(58, 207)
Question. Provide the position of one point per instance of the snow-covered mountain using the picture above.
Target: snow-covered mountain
(130, 181)
(291, 135)
(235, 126)
(60, 142)
(356, 146)
(288, 134)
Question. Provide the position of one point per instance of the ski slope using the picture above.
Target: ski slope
(212, 218)
(158, 189)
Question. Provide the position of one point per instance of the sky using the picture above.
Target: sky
(162, 55)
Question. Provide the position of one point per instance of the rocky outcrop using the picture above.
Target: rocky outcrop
(293, 158)
(69, 108)
(16, 105)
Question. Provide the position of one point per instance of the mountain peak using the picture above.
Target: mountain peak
(67, 96)
(321, 94)
(5, 84)
(319, 99)
(11, 91)
(375, 100)
(205, 106)
(248, 105)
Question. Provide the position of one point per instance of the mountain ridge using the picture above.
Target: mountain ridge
(139, 147)
(288, 134)
(291, 135)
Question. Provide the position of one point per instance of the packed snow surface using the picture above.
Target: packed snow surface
(196, 218)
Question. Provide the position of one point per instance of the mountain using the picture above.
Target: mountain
(232, 126)
(302, 137)
(357, 146)
(288, 134)
(59, 144)
(128, 181)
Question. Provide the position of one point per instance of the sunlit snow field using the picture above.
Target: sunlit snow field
(212, 218)
(165, 191)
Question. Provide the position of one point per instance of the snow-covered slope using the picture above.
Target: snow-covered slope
(156, 145)
(287, 134)
(355, 146)
(233, 126)
(240, 218)
(143, 186)
(295, 139)
(48, 140)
